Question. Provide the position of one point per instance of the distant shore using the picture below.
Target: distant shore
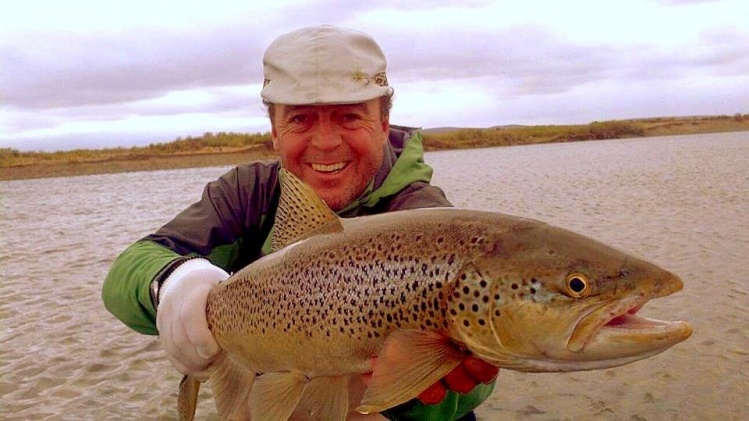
(227, 149)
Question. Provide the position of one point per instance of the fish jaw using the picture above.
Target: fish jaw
(611, 333)
(617, 334)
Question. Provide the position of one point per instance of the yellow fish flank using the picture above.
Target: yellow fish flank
(418, 289)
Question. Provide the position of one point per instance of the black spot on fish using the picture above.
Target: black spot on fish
(475, 308)
(466, 323)
(514, 286)
(462, 306)
(466, 290)
(482, 322)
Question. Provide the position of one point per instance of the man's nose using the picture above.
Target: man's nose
(325, 135)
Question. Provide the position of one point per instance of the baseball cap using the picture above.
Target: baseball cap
(324, 65)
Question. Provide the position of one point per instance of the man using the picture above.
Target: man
(328, 101)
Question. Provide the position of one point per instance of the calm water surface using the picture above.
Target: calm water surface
(681, 202)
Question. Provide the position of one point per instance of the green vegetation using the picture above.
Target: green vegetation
(618, 129)
(233, 148)
(208, 143)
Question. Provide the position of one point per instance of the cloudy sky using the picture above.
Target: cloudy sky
(77, 74)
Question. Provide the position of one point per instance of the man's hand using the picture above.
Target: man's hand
(462, 379)
(181, 319)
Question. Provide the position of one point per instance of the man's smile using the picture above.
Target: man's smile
(329, 168)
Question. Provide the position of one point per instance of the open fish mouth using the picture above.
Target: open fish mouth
(620, 332)
(630, 320)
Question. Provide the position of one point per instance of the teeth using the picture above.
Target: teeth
(328, 167)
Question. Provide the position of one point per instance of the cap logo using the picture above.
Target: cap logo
(381, 79)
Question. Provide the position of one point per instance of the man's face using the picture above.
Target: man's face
(335, 149)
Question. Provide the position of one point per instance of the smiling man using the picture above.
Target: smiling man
(335, 149)
(329, 102)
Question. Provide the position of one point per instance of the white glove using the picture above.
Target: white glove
(181, 319)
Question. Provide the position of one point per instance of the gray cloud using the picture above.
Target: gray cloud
(53, 78)
(125, 67)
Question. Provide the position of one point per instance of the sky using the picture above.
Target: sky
(92, 74)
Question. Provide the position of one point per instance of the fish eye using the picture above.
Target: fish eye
(578, 285)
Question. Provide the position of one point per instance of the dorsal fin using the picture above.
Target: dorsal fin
(300, 213)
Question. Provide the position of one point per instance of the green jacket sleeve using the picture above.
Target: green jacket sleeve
(227, 226)
(126, 291)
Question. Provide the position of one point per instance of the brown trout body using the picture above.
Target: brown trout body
(418, 289)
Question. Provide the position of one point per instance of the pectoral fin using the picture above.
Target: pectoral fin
(275, 395)
(231, 384)
(410, 362)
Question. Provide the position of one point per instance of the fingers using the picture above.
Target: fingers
(182, 324)
(176, 341)
(480, 370)
(461, 379)
(434, 394)
(198, 337)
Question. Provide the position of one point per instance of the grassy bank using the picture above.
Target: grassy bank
(225, 149)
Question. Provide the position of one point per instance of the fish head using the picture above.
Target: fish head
(546, 299)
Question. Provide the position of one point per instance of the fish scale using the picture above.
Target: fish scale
(419, 290)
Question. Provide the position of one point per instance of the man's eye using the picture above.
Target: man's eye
(298, 119)
(350, 117)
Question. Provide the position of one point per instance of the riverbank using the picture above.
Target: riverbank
(227, 149)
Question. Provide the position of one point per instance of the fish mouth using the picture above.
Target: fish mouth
(617, 332)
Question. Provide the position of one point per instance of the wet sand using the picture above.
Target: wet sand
(680, 202)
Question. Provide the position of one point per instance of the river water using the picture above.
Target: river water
(681, 202)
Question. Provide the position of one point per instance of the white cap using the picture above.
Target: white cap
(324, 65)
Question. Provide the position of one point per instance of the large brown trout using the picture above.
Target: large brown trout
(418, 289)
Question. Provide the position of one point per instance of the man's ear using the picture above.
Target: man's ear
(274, 136)
(386, 128)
